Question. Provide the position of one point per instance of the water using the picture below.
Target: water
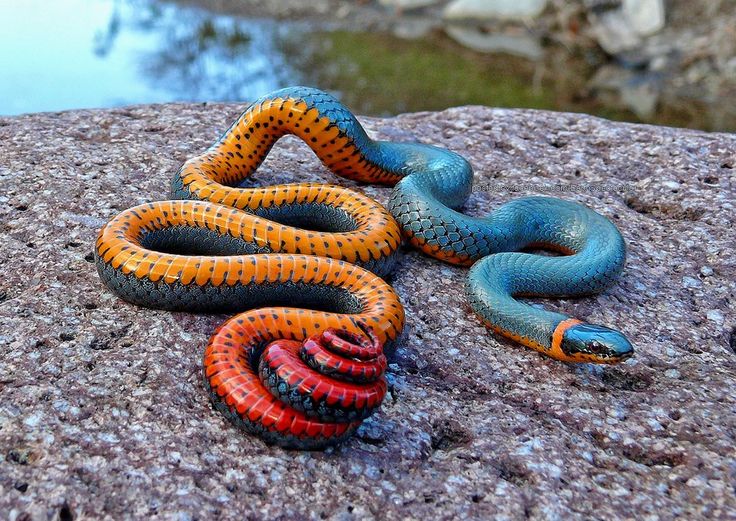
(68, 54)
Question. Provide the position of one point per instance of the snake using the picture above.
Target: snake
(303, 263)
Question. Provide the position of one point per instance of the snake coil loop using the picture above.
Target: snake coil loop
(304, 394)
(336, 376)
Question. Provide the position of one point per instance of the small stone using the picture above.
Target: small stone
(523, 45)
(672, 373)
(641, 96)
(696, 482)
(33, 420)
(714, 315)
(413, 28)
(406, 5)
(645, 16)
(494, 9)
(691, 282)
(706, 271)
(614, 33)
(659, 63)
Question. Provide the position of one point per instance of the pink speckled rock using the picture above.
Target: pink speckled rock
(102, 408)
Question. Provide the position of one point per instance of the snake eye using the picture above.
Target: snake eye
(596, 348)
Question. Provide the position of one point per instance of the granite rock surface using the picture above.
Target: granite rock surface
(102, 408)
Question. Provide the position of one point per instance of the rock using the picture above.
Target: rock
(637, 91)
(102, 409)
(524, 44)
(730, 68)
(601, 5)
(407, 5)
(672, 373)
(691, 282)
(641, 97)
(613, 32)
(646, 17)
(623, 29)
(494, 9)
(715, 315)
(672, 185)
(611, 76)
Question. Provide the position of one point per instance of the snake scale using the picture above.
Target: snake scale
(303, 366)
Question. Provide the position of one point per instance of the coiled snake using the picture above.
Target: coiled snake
(312, 250)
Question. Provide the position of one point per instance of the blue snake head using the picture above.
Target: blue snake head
(593, 343)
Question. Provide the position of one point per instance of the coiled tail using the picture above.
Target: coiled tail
(306, 394)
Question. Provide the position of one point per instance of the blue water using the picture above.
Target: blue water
(67, 54)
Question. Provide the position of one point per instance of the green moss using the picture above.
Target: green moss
(378, 74)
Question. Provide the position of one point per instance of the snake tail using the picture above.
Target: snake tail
(294, 259)
(306, 394)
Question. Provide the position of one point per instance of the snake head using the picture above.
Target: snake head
(593, 343)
